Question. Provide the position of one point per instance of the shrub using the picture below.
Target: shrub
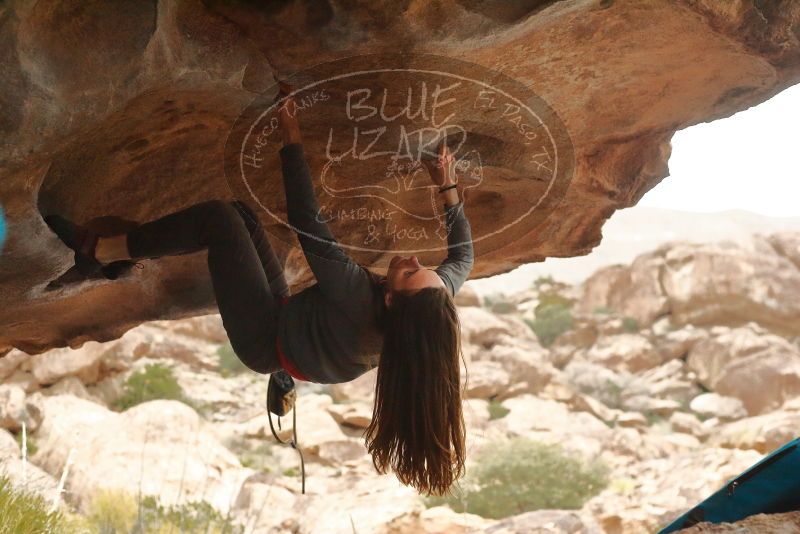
(229, 363)
(602, 310)
(117, 512)
(22, 512)
(542, 280)
(155, 381)
(497, 410)
(520, 476)
(630, 325)
(552, 317)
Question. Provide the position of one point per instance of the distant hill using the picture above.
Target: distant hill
(633, 231)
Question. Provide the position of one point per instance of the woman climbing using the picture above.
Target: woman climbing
(347, 323)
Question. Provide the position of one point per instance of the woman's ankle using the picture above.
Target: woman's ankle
(110, 249)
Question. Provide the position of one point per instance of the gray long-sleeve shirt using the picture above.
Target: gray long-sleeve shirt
(330, 330)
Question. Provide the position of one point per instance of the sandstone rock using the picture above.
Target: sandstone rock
(361, 389)
(787, 523)
(264, 505)
(762, 370)
(355, 414)
(71, 385)
(486, 379)
(23, 379)
(646, 404)
(631, 419)
(710, 355)
(467, 296)
(598, 381)
(10, 362)
(579, 402)
(206, 327)
(340, 453)
(552, 422)
(688, 423)
(12, 407)
(376, 504)
(555, 521)
(524, 360)
(222, 54)
(763, 433)
(161, 445)
(481, 327)
(443, 520)
(649, 494)
(727, 283)
(628, 352)
(315, 425)
(669, 381)
(85, 363)
(715, 405)
(633, 291)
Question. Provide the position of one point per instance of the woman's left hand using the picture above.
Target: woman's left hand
(442, 169)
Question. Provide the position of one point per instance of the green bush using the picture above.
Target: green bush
(117, 512)
(521, 475)
(155, 381)
(497, 410)
(542, 280)
(229, 363)
(602, 310)
(630, 325)
(552, 317)
(22, 512)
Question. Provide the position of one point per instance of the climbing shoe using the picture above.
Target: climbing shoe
(81, 240)
(281, 393)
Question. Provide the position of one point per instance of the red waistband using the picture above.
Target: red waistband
(287, 365)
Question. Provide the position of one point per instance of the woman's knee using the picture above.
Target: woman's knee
(220, 217)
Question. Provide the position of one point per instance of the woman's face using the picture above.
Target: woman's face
(406, 274)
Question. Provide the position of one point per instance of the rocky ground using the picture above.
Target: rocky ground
(651, 369)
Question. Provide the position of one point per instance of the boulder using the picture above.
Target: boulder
(763, 433)
(486, 379)
(760, 369)
(10, 362)
(354, 414)
(786, 523)
(12, 407)
(150, 135)
(468, 297)
(85, 363)
(160, 446)
(719, 406)
(624, 352)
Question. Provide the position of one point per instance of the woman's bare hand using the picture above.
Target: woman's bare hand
(442, 169)
(287, 114)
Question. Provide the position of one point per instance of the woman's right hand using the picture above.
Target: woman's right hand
(287, 114)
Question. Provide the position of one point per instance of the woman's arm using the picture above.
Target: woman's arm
(455, 269)
(339, 278)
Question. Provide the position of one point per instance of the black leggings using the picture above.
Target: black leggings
(247, 277)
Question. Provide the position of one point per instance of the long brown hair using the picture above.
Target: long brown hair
(417, 425)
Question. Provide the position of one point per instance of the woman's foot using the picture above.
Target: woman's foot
(81, 240)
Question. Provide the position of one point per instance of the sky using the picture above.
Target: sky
(748, 161)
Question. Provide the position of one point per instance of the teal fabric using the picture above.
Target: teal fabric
(2, 229)
(769, 487)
